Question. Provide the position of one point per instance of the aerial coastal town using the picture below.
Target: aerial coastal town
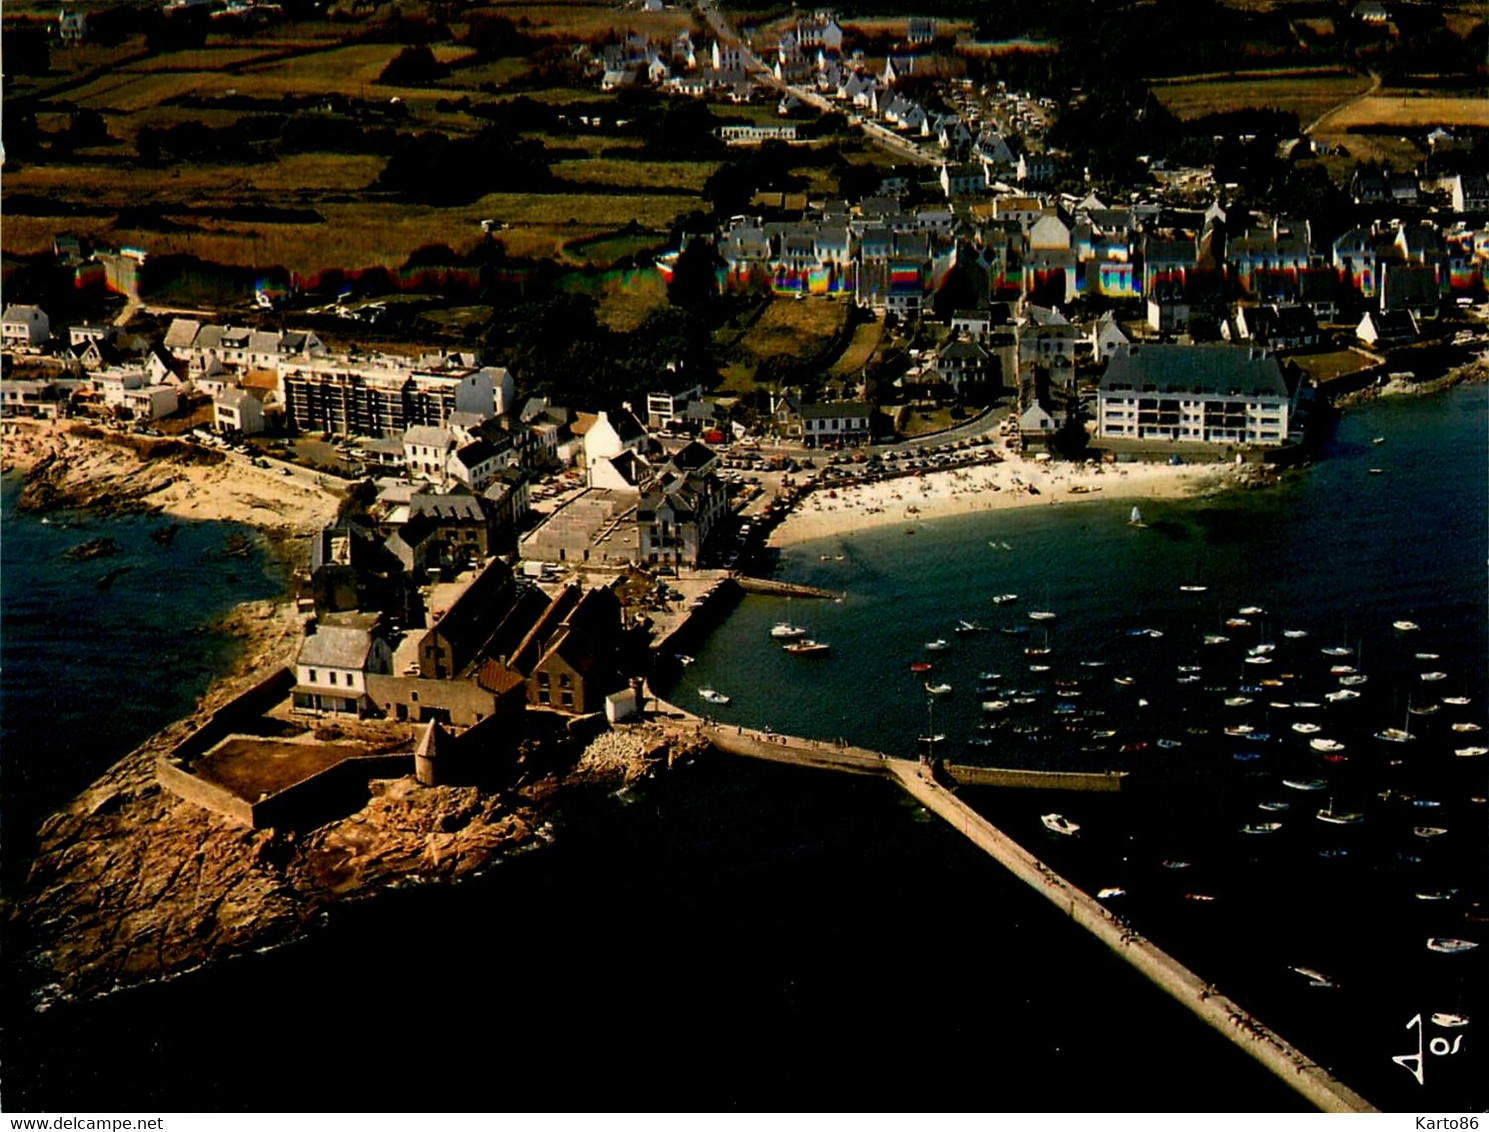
(531, 337)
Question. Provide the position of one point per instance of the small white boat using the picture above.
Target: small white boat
(1427, 656)
(1315, 978)
(1326, 746)
(1005, 599)
(994, 705)
(1457, 701)
(1441, 894)
(1274, 807)
(1215, 639)
(1433, 677)
(1378, 440)
(1339, 817)
(1462, 728)
(1258, 827)
(1353, 680)
(1041, 615)
(683, 658)
(1428, 830)
(1449, 1020)
(938, 689)
(712, 696)
(1450, 946)
(1237, 701)
(785, 631)
(1136, 519)
(1059, 823)
(1395, 735)
(807, 647)
(1295, 634)
(1341, 695)
(1305, 728)
(1304, 705)
(1405, 626)
(1337, 650)
(965, 627)
(1471, 752)
(1258, 660)
(938, 645)
(1193, 589)
(1108, 893)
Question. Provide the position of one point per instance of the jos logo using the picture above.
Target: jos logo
(1415, 1063)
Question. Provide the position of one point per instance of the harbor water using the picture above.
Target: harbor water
(732, 934)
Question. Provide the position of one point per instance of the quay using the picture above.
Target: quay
(1311, 1080)
(772, 588)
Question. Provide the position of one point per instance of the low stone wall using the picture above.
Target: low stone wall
(181, 782)
(337, 790)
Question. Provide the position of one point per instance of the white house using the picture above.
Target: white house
(613, 432)
(426, 451)
(1208, 394)
(151, 402)
(334, 661)
(237, 410)
(845, 422)
(24, 327)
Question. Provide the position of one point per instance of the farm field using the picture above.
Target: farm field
(1306, 95)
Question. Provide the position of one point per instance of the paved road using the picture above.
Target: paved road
(757, 67)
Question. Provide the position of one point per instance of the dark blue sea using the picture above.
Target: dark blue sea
(734, 935)
(96, 655)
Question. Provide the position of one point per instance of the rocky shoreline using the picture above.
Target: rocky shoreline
(130, 883)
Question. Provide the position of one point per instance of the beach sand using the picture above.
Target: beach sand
(992, 487)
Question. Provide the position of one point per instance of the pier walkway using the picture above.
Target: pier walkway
(1223, 1014)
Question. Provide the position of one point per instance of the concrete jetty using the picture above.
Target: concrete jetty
(1108, 782)
(1218, 1010)
(772, 588)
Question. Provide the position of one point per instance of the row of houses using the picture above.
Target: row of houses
(888, 258)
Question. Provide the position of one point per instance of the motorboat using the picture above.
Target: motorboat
(1353, 680)
(1433, 677)
(1471, 752)
(1251, 611)
(965, 627)
(1450, 946)
(1109, 893)
(1041, 615)
(1059, 823)
(1439, 894)
(713, 696)
(1341, 695)
(1405, 626)
(920, 666)
(1258, 827)
(1215, 639)
(1315, 977)
(994, 705)
(1449, 1020)
(807, 647)
(1428, 830)
(1295, 634)
(1237, 701)
(785, 631)
(1274, 807)
(938, 689)
(1305, 728)
(1339, 817)
(1326, 746)
(1395, 735)
(1005, 599)
(940, 644)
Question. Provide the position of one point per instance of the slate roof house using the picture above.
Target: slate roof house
(1210, 394)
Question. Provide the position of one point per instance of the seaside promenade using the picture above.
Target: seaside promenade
(1287, 1062)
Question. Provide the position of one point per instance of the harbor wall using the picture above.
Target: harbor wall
(1016, 778)
(1311, 1080)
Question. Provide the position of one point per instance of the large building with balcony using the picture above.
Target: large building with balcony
(1204, 394)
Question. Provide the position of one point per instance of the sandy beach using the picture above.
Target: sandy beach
(991, 487)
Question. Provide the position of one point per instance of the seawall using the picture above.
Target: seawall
(1217, 1010)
